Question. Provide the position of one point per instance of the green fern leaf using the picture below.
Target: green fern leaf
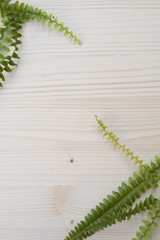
(109, 211)
(150, 224)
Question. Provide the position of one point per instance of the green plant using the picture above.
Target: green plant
(150, 224)
(119, 206)
(14, 16)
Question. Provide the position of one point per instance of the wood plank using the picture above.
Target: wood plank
(54, 164)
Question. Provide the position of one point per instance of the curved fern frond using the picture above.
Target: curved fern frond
(112, 138)
(148, 228)
(105, 213)
(28, 12)
(9, 39)
(14, 15)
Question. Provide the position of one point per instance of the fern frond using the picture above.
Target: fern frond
(148, 228)
(144, 168)
(28, 12)
(120, 215)
(105, 213)
(142, 206)
(112, 138)
(10, 38)
(13, 15)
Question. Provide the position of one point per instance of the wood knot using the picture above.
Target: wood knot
(71, 160)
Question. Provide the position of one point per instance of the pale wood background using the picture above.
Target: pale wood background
(47, 109)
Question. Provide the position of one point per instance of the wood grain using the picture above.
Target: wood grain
(54, 164)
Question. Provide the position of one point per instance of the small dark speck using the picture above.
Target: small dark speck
(71, 160)
(72, 221)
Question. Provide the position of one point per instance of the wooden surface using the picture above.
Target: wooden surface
(54, 164)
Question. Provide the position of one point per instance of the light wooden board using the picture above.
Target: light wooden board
(54, 164)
